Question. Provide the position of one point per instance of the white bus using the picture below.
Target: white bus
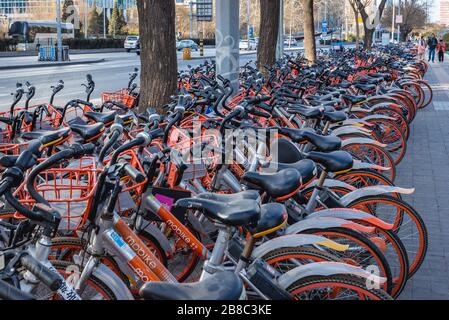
(31, 34)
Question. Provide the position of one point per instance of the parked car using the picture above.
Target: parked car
(243, 44)
(131, 43)
(187, 43)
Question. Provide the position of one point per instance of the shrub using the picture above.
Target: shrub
(93, 43)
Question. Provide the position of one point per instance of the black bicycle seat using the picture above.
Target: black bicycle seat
(220, 286)
(239, 213)
(104, 117)
(88, 131)
(47, 137)
(322, 143)
(280, 185)
(337, 161)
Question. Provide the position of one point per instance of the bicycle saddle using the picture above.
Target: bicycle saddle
(104, 117)
(334, 116)
(325, 103)
(273, 216)
(322, 143)
(245, 195)
(280, 185)
(223, 285)
(305, 111)
(353, 99)
(88, 131)
(344, 84)
(306, 168)
(239, 213)
(47, 137)
(336, 162)
(365, 87)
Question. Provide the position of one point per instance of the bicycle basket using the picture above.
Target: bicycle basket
(68, 189)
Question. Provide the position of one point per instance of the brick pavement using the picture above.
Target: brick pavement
(426, 168)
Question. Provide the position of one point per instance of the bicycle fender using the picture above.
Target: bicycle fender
(377, 117)
(160, 237)
(329, 183)
(372, 191)
(105, 274)
(353, 214)
(350, 141)
(365, 165)
(350, 129)
(295, 240)
(327, 268)
(323, 223)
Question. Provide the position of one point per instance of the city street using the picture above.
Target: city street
(108, 76)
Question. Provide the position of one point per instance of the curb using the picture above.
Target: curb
(243, 54)
(56, 64)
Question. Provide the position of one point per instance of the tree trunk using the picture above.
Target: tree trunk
(368, 26)
(268, 34)
(368, 38)
(158, 77)
(309, 31)
(357, 30)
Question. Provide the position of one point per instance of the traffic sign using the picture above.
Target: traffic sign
(324, 26)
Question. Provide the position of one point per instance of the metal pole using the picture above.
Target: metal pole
(191, 20)
(280, 42)
(399, 25)
(85, 19)
(346, 20)
(59, 33)
(392, 21)
(104, 19)
(227, 41)
(291, 23)
(248, 20)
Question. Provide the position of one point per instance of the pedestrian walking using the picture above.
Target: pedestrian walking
(421, 48)
(441, 48)
(432, 44)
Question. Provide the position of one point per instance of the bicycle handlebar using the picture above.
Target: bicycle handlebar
(8, 292)
(46, 276)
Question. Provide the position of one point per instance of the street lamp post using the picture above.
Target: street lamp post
(399, 24)
(248, 21)
(392, 22)
(280, 42)
(58, 29)
(104, 19)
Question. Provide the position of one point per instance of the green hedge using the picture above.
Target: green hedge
(8, 44)
(93, 43)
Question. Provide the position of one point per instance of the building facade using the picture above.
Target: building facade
(444, 12)
(31, 8)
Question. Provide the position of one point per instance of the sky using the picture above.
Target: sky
(434, 11)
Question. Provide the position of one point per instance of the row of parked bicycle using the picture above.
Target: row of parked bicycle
(282, 190)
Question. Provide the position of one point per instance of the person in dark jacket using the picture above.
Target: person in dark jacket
(432, 44)
(441, 48)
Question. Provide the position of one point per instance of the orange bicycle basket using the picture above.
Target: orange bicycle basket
(68, 189)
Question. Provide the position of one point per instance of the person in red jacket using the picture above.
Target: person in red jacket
(441, 48)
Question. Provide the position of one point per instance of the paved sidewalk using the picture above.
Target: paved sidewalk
(426, 167)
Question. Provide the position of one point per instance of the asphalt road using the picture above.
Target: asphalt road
(109, 76)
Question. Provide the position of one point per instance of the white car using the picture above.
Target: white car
(131, 43)
(243, 45)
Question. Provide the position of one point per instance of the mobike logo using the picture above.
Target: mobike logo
(141, 274)
(181, 234)
(141, 252)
